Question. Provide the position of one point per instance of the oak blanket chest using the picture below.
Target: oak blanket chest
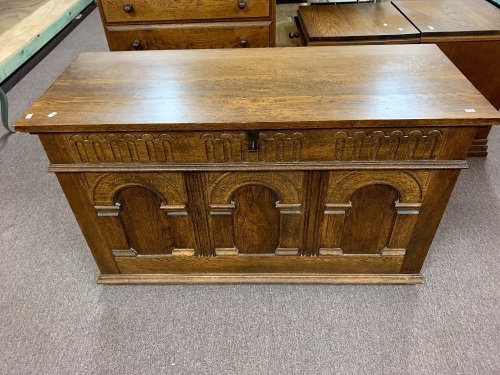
(236, 166)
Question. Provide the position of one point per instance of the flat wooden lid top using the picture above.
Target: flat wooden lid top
(344, 22)
(347, 86)
(452, 17)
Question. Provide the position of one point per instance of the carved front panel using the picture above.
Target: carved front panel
(256, 220)
(289, 202)
(147, 228)
(371, 212)
(257, 146)
(369, 221)
(256, 213)
(145, 214)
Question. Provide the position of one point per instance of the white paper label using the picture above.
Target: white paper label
(28, 116)
(470, 110)
(52, 114)
(430, 27)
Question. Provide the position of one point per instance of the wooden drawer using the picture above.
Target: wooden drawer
(189, 36)
(171, 10)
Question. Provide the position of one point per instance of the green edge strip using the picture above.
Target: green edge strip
(39, 40)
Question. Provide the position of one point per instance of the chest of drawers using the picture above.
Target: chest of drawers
(188, 24)
(321, 171)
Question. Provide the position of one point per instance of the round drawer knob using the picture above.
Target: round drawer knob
(293, 35)
(243, 41)
(242, 4)
(127, 8)
(136, 44)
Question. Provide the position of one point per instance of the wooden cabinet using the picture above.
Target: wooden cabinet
(169, 24)
(354, 24)
(235, 166)
(468, 32)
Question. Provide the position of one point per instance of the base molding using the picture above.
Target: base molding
(124, 279)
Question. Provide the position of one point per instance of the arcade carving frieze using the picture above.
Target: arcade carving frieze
(257, 146)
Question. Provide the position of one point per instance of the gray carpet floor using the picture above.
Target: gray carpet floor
(54, 318)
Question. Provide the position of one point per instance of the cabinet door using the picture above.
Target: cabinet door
(256, 213)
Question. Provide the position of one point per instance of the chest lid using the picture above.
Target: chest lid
(259, 88)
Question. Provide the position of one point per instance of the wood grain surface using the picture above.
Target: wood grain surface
(351, 22)
(232, 166)
(479, 61)
(148, 229)
(12, 12)
(186, 24)
(258, 279)
(452, 17)
(171, 10)
(190, 36)
(212, 89)
(261, 264)
(27, 25)
(468, 32)
(369, 223)
(256, 220)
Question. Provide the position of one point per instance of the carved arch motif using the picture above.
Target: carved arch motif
(338, 205)
(282, 184)
(108, 187)
(280, 193)
(407, 185)
(123, 199)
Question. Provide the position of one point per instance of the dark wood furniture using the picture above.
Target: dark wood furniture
(354, 24)
(202, 166)
(186, 24)
(468, 32)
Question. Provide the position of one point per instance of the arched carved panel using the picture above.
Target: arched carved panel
(369, 222)
(340, 191)
(147, 228)
(286, 185)
(256, 221)
(261, 212)
(170, 187)
(370, 212)
(128, 200)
